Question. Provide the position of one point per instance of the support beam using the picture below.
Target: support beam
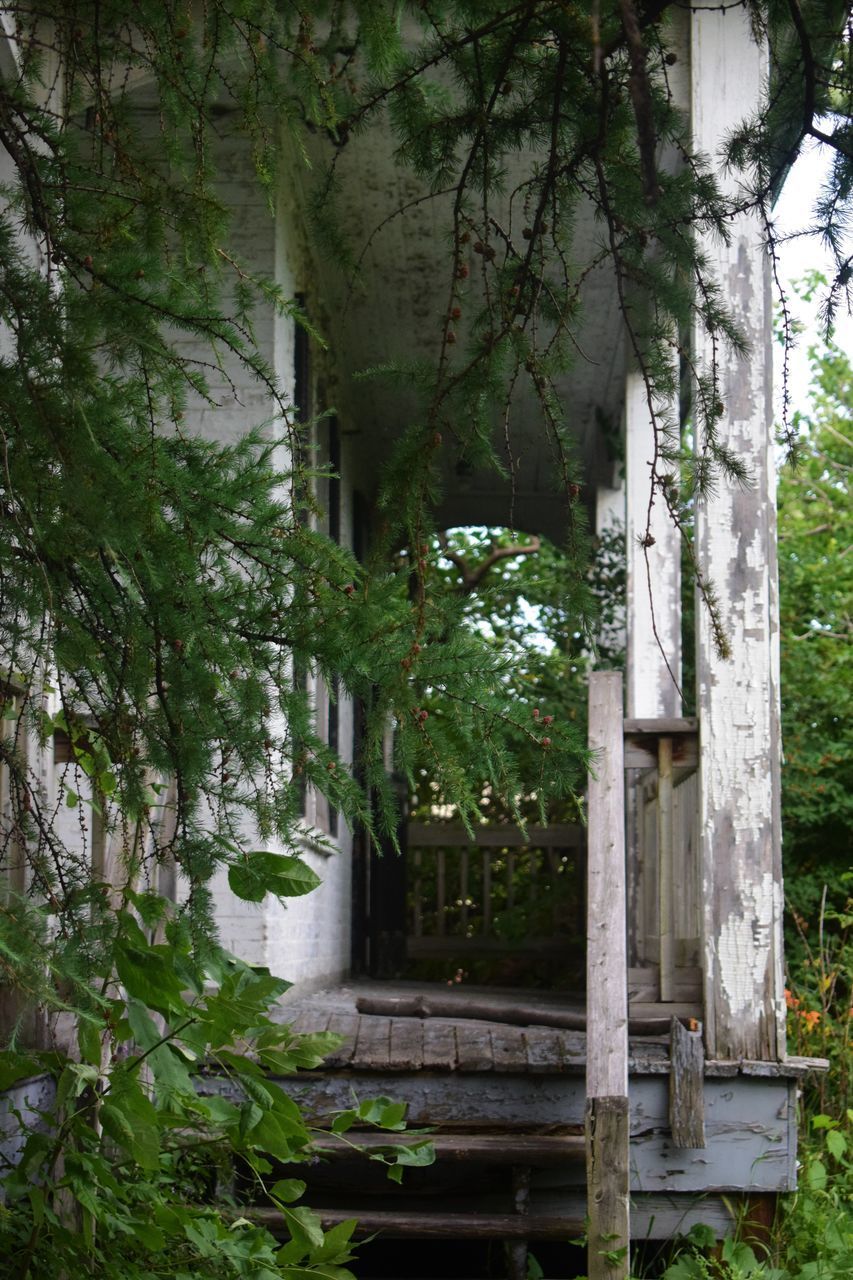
(607, 987)
(738, 699)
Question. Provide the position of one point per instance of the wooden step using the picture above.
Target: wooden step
(437, 1226)
(532, 1149)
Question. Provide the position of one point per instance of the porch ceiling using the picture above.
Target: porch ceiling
(396, 314)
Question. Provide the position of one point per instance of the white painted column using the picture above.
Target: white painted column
(610, 527)
(738, 698)
(653, 564)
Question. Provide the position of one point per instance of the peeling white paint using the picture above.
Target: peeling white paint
(738, 699)
(744, 948)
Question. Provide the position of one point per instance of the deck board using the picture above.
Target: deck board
(544, 1049)
(439, 1045)
(509, 1048)
(373, 1044)
(474, 1046)
(378, 1042)
(346, 1025)
(407, 1044)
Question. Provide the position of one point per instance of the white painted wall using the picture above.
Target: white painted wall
(306, 940)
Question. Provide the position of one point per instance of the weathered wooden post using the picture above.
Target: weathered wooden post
(738, 698)
(607, 1120)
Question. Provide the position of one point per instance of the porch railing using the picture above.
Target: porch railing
(664, 889)
(503, 890)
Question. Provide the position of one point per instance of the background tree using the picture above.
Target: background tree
(816, 623)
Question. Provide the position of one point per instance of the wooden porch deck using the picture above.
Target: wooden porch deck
(504, 1105)
(388, 1043)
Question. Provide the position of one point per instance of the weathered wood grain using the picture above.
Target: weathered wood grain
(309, 1021)
(439, 1046)
(540, 1149)
(509, 1049)
(345, 1025)
(666, 872)
(427, 1225)
(735, 542)
(607, 967)
(474, 1047)
(373, 1044)
(407, 1044)
(544, 1049)
(687, 1087)
(607, 1188)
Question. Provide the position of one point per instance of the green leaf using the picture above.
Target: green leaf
(305, 1228)
(260, 873)
(148, 977)
(288, 1190)
(836, 1143)
(151, 1237)
(16, 1066)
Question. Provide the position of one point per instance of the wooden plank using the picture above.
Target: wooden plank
(439, 1046)
(453, 835)
(735, 547)
(686, 1087)
(509, 1048)
(666, 885)
(606, 1115)
(607, 1188)
(473, 1047)
(641, 751)
(573, 1047)
(308, 1021)
(673, 726)
(544, 1049)
(407, 1044)
(372, 1044)
(607, 995)
(345, 1025)
(434, 1226)
(537, 1149)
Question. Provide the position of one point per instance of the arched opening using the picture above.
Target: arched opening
(496, 898)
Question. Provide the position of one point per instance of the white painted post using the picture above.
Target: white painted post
(653, 587)
(607, 1122)
(738, 699)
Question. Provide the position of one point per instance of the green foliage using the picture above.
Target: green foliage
(816, 616)
(813, 1235)
(134, 1158)
(816, 593)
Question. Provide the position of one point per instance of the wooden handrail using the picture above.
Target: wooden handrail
(453, 835)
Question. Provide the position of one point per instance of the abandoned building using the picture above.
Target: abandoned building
(678, 1050)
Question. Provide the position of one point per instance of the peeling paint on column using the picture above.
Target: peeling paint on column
(735, 540)
(744, 948)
